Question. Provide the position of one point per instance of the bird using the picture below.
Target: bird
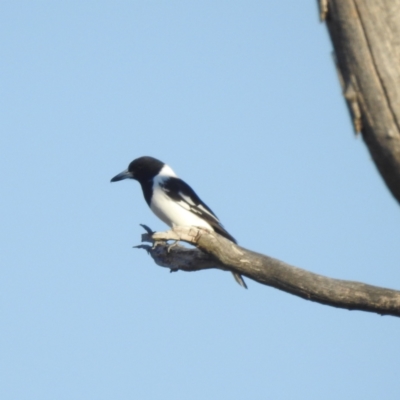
(172, 200)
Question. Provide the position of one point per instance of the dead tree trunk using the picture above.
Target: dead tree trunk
(366, 38)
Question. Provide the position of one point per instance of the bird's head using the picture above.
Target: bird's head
(142, 169)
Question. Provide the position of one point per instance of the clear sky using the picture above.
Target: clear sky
(241, 98)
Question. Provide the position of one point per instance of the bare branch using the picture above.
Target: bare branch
(214, 251)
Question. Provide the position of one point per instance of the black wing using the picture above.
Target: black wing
(185, 196)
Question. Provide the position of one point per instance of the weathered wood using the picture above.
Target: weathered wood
(214, 251)
(366, 38)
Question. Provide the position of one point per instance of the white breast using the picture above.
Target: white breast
(172, 213)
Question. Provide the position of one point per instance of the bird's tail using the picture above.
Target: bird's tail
(239, 279)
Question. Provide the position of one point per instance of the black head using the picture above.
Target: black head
(142, 169)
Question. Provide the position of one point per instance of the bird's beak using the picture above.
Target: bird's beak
(123, 175)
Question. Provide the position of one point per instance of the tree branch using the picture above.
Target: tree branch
(214, 251)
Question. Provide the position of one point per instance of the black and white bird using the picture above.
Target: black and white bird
(172, 199)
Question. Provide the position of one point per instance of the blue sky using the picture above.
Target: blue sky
(243, 101)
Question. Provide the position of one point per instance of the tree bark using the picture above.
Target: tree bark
(366, 37)
(214, 251)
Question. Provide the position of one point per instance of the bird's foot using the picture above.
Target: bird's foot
(171, 246)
